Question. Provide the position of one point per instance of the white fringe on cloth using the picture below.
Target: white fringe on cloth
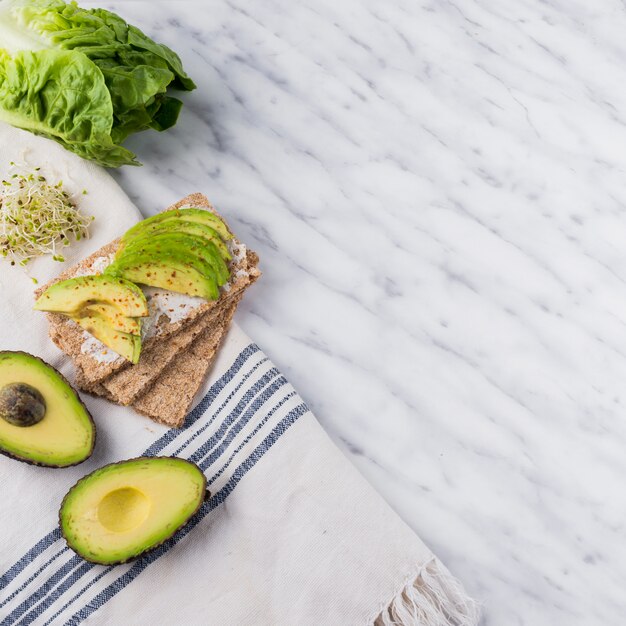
(431, 597)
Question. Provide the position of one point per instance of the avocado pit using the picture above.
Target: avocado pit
(21, 405)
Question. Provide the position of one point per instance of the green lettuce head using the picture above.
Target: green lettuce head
(84, 77)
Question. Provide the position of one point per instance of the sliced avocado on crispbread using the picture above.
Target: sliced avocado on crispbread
(187, 214)
(177, 225)
(125, 344)
(70, 295)
(161, 245)
(42, 420)
(122, 510)
(183, 250)
(112, 315)
(173, 274)
(106, 306)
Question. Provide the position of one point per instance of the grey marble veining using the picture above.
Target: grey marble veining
(437, 191)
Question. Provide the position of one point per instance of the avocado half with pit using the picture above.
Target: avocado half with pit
(122, 510)
(42, 419)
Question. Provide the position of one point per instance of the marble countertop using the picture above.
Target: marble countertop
(437, 191)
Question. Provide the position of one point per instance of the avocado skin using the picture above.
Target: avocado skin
(151, 548)
(89, 416)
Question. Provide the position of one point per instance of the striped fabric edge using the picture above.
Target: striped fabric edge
(241, 397)
(49, 539)
(42, 599)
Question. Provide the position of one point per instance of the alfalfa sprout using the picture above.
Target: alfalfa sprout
(36, 217)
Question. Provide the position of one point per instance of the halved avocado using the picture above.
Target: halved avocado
(125, 344)
(175, 272)
(189, 214)
(70, 295)
(176, 225)
(113, 316)
(42, 420)
(122, 510)
(164, 244)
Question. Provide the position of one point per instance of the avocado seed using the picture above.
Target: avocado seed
(21, 404)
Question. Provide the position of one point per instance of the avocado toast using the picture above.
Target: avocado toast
(182, 333)
(96, 366)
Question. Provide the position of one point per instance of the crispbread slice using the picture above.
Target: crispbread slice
(95, 369)
(128, 384)
(170, 396)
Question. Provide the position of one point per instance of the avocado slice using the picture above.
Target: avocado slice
(70, 295)
(125, 344)
(174, 273)
(113, 316)
(122, 510)
(173, 224)
(161, 245)
(189, 214)
(42, 420)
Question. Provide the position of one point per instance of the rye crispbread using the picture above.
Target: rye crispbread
(71, 338)
(171, 395)
(124, 386)
(174, 361)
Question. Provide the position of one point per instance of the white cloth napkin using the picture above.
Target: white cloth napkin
(291, 535)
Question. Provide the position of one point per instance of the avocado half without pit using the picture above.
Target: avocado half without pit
(123, 510)
(42, 420)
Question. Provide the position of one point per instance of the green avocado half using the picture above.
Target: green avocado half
(122, 510)
(42, 419)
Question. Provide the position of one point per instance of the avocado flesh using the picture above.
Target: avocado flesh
(125, 344)
(175, 225)
(113, 316)
(166, 244)
(66, 434)
(124, 509)
(172, 274)
(189, 214)
(70, 295)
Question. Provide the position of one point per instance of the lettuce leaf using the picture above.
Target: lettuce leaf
(63, 96)
(136, 71)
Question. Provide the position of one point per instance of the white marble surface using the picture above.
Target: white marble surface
(437, 191)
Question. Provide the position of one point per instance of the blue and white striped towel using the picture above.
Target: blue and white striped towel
(291, 535)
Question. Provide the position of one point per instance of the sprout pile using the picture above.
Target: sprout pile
(37, 218)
